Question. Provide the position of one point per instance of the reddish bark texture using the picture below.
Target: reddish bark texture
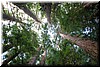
(33, 60)
(27, 11)
(43, 58)
(89, 46)
(9, 59)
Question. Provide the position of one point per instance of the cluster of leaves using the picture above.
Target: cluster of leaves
(75, 17)
(24, 40)
(69, 55)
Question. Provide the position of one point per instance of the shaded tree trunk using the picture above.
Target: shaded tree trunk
(27, 11)
(47, 9)
(7, 17)
(10, 58)
(7, 47)
(33, 60)
(48, 13)
(43, 58)
(89, 46)
(88, 5)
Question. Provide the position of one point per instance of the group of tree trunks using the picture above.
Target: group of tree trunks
(91, 47)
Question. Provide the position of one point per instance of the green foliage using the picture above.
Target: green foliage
(23, 40)
(70, 18)
(74, 17)
(69, 55)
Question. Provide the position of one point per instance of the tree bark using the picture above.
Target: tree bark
(47, 9)
(7, 47)
(43, 58)
(27, 11)
(33, 60)
(88, 5)
(10, 58)
(48, 13)
(7, 17)
(89, 46)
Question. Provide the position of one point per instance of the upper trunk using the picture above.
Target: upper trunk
(48, 13)
(7, 47)
(47, 8)
(43, 58)
(7, 17)
(10, 58)
(33, 60)
(89, 46)
(27, 11)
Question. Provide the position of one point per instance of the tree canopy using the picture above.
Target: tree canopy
(63, 33)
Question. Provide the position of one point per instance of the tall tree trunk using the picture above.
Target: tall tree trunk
(7, 17)
(47, 8)
(27, 11)
(43, 58)
(48, 13)
(7, 47)
(10, 58)
(89, 46)
(33, 60)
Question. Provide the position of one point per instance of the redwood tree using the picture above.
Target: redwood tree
(78, 20)
(10, 58)
(89, 46)
(33, 60)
